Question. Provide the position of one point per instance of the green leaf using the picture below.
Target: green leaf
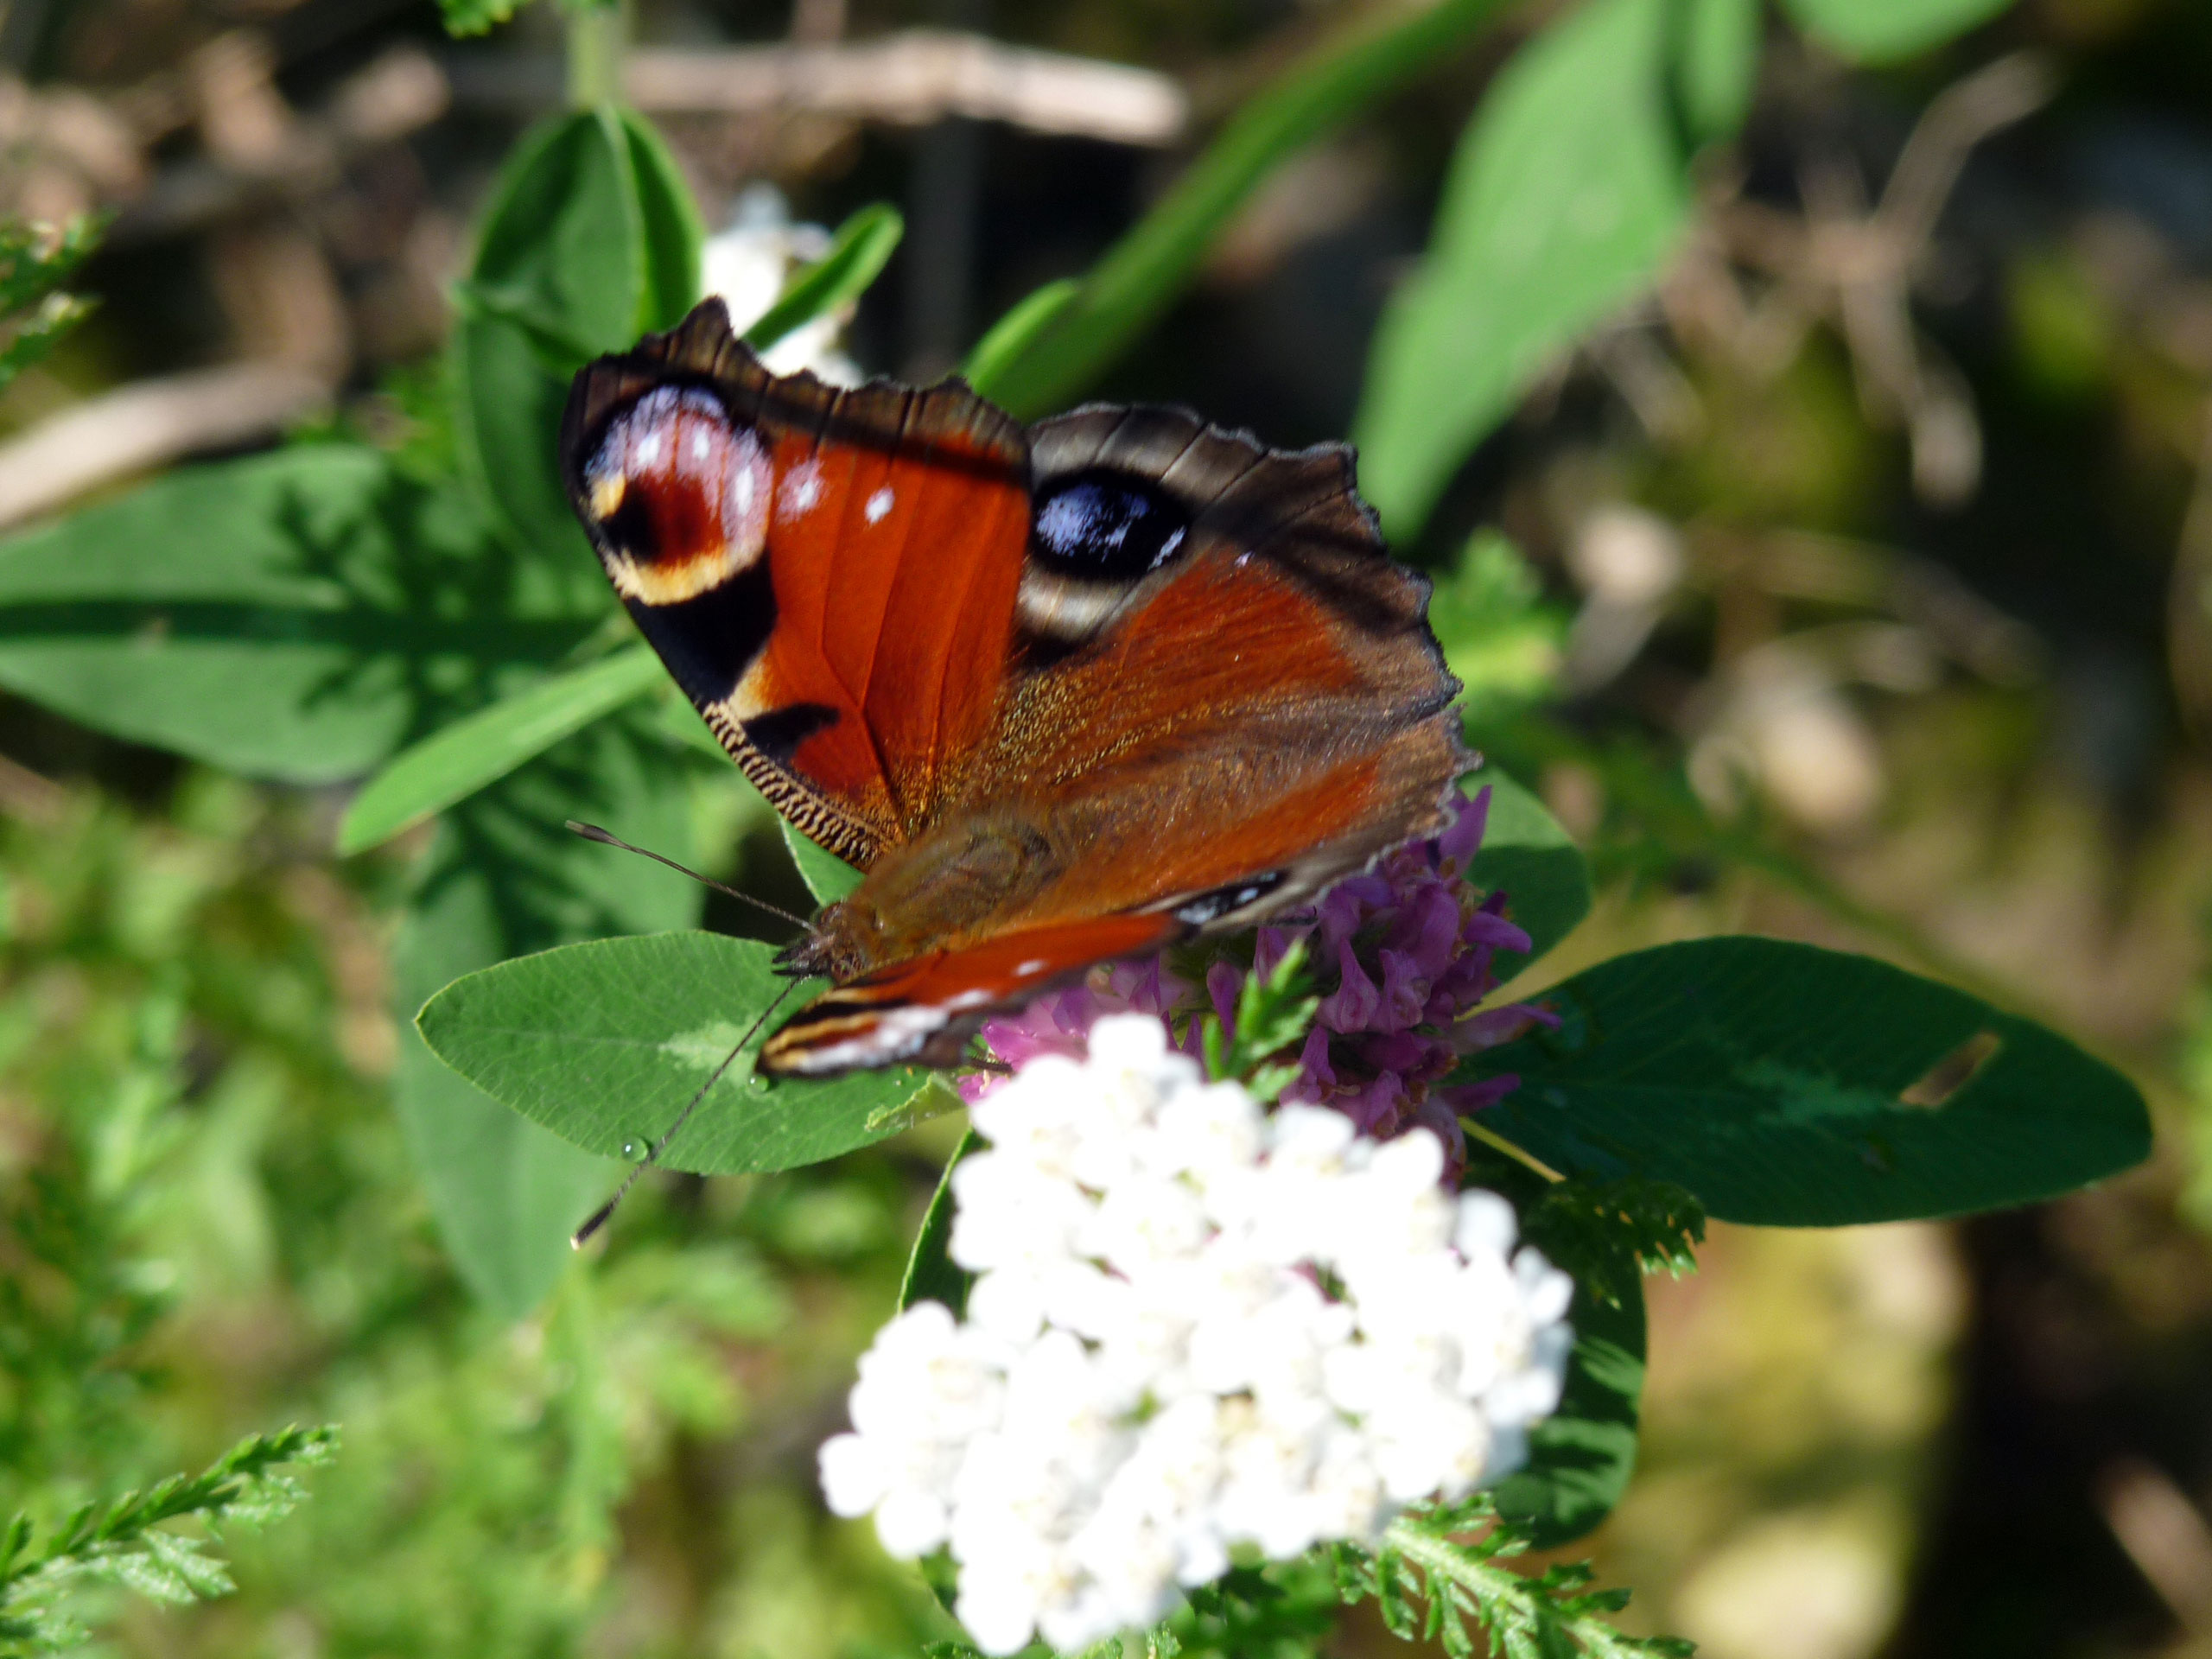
(857, 254)
(508, 427)
(674, 233)
(564, 235)
(1501, 639)
(1527, 852)
(465, 17)
(931, 1275)
(1141, 273)
(35, 261)
(1791, 1086)
(1581, 1456)
(502, 878)
(1881, 31)
(590, 239)
(604, 1043)
(1716, 60)
(471, 754)
(1566, 193)
(1010, 336)
(297, 615)
(828, 877)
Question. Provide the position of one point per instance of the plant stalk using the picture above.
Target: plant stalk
(599, 37)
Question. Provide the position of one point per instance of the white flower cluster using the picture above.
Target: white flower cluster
(1195, 1325)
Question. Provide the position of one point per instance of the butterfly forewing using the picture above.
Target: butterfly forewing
(832, 583)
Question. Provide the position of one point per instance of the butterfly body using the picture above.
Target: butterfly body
(1063, 693)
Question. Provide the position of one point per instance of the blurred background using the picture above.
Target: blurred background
(1853, 584)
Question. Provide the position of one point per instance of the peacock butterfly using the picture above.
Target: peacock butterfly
(1065, 692)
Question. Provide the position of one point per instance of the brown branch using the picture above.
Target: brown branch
(913, 78)
(146, 424)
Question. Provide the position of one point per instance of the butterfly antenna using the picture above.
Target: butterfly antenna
(605, 1213)
(593, 832)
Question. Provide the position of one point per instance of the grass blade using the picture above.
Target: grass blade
(864, 243)
(1142, 272)
(466, 756)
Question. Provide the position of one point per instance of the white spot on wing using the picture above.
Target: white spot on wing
(647, 453)
(879, 505)
(802, 489)
(1034, 965)
(701, 446)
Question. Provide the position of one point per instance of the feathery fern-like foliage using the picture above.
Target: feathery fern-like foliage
(125, 1543)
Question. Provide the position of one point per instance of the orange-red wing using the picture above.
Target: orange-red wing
(924, 1010)
(1255, 702)
(830, 575)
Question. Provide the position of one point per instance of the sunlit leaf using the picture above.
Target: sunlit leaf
(1010, 336)
(931, 1275)
(504, 878)
(296, 615)
(1880, 31)
(863, 245)
(673, 232)
(1566, 193)
(588, 241)
(466, 756)
(604, 1043)
(1716, 61)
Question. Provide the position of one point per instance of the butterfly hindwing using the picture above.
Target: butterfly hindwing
(922, 1009)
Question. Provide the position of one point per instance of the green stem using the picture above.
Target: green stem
(599, 34)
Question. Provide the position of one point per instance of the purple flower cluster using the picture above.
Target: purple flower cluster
(1402, 956)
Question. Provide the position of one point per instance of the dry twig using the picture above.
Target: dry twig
(913, 78)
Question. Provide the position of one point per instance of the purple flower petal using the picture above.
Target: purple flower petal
(1274, 945)
(1459, 842)
(1224, 980)
(1501, 1025)
(1405, 992)
(1402, 1052)
(1352, 1006)
(1375, 1106)
(1317, 1079)
(1428, 928)
(1467, 1099)
(1436, 1114)
(1484, 929)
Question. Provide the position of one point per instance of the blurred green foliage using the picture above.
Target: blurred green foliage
(214, 1220)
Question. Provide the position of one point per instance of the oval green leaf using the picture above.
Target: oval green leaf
(504, 877)
(588, 239)
(296, 615)
(604, 1043)
(1882, 31)
(1566, 193)
(674, 234)
(1792, 1086)
(479, 751)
